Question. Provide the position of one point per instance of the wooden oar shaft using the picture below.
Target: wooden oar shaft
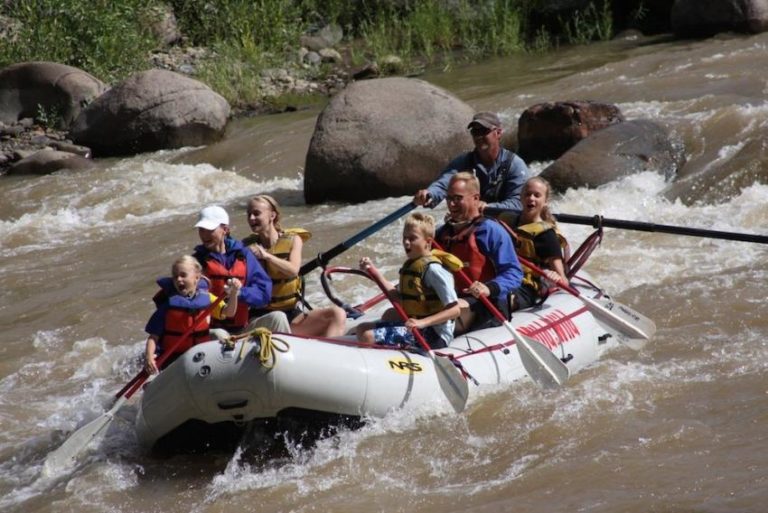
(598, 221)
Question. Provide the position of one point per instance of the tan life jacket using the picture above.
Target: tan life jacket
(418, 299)
(524, 235)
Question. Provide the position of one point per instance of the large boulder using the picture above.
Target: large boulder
(547, 130)
(384, 137)
(55, 91)
(715, 181)
(614, 152)
(149, 111)
(44, 162)
(702, 18)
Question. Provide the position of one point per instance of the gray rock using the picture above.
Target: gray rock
(369, 70)
(703, 182)
(332, 34)
(547, 130)
(616, 151)
(313, 43)
(164, 25)
(330, 55)
(384, 137)
(392, 65)
(313, 58)
(68, 147)
(703, 18)
(149, 111)
(327, 37)
(59, 91)
(44, 162)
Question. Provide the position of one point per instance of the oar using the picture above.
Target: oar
(66, 455)
(598, 221)
(637, 327)
(541, 364)
(451, 381)
(324, 258)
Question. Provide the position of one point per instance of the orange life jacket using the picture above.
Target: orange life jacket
(464, 245)
(181, 315)
(218, 275)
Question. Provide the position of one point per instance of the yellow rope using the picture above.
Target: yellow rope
(267, 345)
(267, 353)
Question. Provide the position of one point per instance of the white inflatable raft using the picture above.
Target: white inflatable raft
(213, 384)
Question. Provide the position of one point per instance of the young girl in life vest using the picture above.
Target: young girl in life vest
(426, 291)
(278, 250)
(180, 301)
(538, 240)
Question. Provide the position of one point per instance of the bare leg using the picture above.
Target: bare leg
(320, 322)
(364, 332)
(465, 318)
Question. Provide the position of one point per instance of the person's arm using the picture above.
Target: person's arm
(441, 281)
(150, 364)
(513, 185)
(392, 293)
(286, 268)
(232, 289)
(556, 271)
(547, 246)
(497, 245)
(257, 290)
(451, 311)
(436, 191)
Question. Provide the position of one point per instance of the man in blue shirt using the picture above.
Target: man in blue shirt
(486, 250)
(500, 172)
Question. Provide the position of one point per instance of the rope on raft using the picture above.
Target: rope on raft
(269, 346)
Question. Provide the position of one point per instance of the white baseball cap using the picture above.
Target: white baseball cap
(211, 217)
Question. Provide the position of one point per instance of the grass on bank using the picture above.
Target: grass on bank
(113, 39)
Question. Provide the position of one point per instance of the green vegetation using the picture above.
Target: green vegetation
(113, 39)
(102, 37)
(594, 23)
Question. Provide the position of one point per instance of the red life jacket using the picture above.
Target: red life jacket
(218, 274)
(464, 245)
(182, 315)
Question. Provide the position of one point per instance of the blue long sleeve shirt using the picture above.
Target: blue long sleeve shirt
(499, 189)
(495, 243)
(257, 289)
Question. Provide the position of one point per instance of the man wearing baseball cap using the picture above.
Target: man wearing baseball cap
(501, 173)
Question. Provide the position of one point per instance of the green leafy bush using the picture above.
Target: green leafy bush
(106, 38)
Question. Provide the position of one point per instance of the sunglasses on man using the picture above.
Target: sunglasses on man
(480, 131)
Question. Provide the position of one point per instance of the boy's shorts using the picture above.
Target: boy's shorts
(394, 333)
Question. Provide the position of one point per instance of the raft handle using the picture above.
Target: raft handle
(233, 405)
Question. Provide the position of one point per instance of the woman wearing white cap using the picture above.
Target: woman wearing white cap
(223, 258)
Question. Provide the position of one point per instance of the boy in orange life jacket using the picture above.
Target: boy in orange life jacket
(179, 302)
(426, 292)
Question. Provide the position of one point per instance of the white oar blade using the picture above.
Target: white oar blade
(541, 364)
(635, 344)
(452, 383)
(622, 318)
(66, 455)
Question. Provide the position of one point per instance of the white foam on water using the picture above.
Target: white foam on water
(133, 192)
